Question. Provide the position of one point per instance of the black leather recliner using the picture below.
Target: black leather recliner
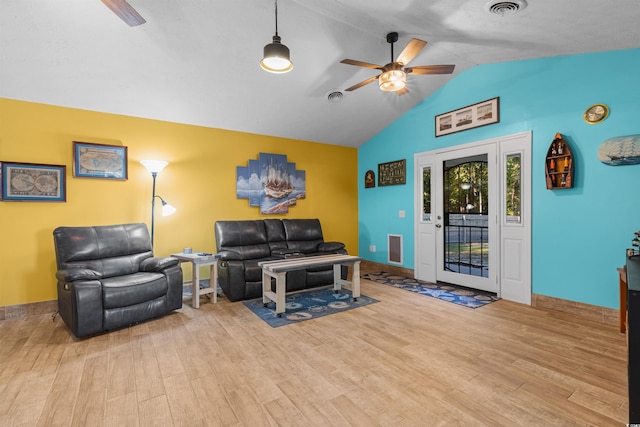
(108, 278)
(243, 244)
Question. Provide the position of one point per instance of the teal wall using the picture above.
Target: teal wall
(579, 234)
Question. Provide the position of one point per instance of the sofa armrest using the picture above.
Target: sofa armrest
(80, 306)
(330, 246)
(284, 252)
(157, 263)
(74, 274)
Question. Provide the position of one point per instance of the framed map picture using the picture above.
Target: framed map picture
(33, 182)
(99, 161)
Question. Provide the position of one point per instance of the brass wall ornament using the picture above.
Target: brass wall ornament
(596, 113)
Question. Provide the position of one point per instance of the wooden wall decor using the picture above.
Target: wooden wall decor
(369, 179)
(558, 166)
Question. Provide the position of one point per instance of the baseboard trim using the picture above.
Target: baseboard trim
(21, 311)
(595, 313)
(376, 266)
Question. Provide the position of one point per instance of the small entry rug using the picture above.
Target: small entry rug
(305, 305)
(472, 298)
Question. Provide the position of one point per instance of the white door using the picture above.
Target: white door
(473, 216)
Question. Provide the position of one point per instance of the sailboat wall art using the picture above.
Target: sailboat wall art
(621, 150)
(271, 183)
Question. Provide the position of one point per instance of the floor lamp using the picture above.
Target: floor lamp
(155, 166)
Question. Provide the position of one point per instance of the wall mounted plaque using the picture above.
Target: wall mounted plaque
(392, 173)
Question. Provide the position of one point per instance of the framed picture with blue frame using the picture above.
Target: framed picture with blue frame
(99, 161)
(33, 182)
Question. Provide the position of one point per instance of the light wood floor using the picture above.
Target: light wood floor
(408, 360)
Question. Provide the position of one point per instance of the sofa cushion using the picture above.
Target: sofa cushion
(303, 235)
(110, 250)
(246, 239)
(275, 234)
(132, 289)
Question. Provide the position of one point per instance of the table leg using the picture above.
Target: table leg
(213, 281)
(195, 286)
(337, 277)
(623, 299)
(266, 287)
(281, 287)
(355, 280)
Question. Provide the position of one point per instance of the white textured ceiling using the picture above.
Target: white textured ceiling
(196, 61)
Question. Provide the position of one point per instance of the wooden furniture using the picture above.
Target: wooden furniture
(633, 337)
(558, 166)
(198, 260)
(278, 270)
(623, 299)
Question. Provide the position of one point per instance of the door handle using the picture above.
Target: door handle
(438, 225)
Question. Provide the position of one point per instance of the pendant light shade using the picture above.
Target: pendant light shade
(276, 55)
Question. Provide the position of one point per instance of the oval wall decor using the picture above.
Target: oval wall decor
(621, 150)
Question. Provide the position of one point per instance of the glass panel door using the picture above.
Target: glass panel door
(426, 193)
(466, 203)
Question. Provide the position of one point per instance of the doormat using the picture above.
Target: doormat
(460, 295)
(306, 305)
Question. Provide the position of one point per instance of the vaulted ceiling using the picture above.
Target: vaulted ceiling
(196, 61)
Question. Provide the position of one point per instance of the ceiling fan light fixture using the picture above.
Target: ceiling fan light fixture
(276, 55)
(392, 80)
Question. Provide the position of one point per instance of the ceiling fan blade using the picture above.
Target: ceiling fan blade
(362, 83)
(361, 64)
(413, 48)
(430, 69)
(402, 91)
(125, 11)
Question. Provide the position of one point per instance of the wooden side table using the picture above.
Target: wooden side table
(623, 299)
(198, 260)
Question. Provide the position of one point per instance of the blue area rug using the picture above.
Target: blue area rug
(472, 298)
(305, 305)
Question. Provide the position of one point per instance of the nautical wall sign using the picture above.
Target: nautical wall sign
(621, 150)
(392, 173)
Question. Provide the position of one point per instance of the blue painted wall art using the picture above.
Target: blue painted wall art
(271, 183)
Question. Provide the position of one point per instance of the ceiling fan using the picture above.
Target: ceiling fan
(125, 11)
(394, 74)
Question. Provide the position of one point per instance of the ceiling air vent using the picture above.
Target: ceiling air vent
(335, 96)
(503, 8)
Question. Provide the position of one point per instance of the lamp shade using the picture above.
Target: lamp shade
(276, 57)
(167, 209)
(392, 80)
(154, 166)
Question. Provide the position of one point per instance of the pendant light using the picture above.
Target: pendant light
(276, 55)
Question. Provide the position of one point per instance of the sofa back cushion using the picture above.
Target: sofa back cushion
(303, 235)
(112, 250)
(276, 235)
(247, 239)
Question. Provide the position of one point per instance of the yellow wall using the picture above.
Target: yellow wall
(199, 181)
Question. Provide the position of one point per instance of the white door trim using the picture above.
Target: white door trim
(514, 258)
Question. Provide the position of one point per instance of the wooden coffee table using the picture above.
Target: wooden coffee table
(278, 270)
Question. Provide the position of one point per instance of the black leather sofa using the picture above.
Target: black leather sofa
(108, 278)
(243, 244)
